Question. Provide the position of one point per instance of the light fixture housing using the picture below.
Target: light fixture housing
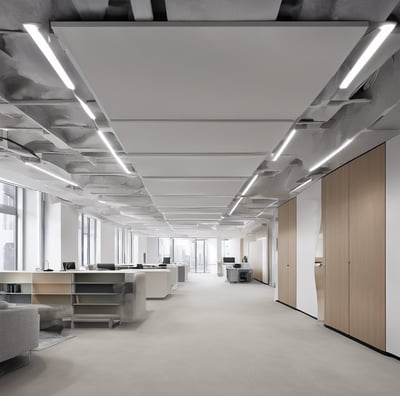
(278, 153)
(236, 205)
(331, 155)
(112, 151)
(252, 181)
(301, 185)
(55, 176)
(34, 31)
(86, 108)
(384, 32)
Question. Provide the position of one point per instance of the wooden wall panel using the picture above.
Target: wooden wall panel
(283, 253)
(287, 253)
(335, 208)
(367, 189)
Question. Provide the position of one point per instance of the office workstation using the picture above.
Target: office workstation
(178, 175)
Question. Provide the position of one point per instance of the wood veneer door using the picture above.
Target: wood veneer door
(283, 254)
(335, 209)
(367, 194)
(287, 253)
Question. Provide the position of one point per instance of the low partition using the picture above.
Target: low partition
(85, 295)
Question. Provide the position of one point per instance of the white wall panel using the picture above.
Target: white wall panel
(392, 246)
(308, 228)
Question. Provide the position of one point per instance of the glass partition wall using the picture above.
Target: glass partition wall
(192, 252)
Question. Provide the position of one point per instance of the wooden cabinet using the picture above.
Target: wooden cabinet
(287, 253)
(354, 248)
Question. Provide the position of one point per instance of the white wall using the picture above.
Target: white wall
(52, 251)
(393, 246)
(233, 249)
(308, 228)
(107, 243)
(152, 250)
(69, 235)
(212, 255)
(32, 230)
(273, 252)
(142, 248)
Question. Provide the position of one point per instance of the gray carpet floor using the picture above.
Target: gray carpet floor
(209, 338)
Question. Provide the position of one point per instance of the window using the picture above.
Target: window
(124, 246)
(8, 227)
(88, 238)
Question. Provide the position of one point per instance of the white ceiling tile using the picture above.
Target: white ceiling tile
(200, 137)
(193, 201)
(197, 166)
(194, 186)
(207, 71)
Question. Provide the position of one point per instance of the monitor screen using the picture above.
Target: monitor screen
(229, 259)
(166, 260)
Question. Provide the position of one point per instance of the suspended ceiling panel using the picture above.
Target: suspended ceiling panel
(194, 186)
(200, 166)
(190, 202)
(207, 71)
(200, 136)
(230, 10)
(198, 216)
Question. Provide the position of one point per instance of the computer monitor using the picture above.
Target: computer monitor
(106, 266)
(229, 259)
(70, 265)
(166, 260)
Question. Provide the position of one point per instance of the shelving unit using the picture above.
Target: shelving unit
(24, 282)
(105, 296)
(97, 297)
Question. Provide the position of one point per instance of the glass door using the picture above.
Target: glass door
(192, 252)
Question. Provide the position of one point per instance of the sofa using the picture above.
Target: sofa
(19, 331)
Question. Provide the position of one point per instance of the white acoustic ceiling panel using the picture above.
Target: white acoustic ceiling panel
(198, 216)
(220, 10)
(194, 186)
(200, 136)
(196, 166)
(191, 201)
(207, 71)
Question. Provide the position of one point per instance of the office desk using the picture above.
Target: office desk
(239, 275)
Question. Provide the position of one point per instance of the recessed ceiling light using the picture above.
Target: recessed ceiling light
(301, 185)
(51, 174)
(112, 151)
(384, 32)
(331, 155)
(277, 154)
(37, 37)
(250, 184)
(86, 108)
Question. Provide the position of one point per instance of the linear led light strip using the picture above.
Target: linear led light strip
(384, 32)
(331, 155)
(277, 154)
(112, 151)
(38, 38)
(252, 181)
(51, 174)
(236, 205)
(301, 186)
(40, 41)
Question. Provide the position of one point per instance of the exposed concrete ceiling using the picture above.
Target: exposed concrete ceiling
(40, 114)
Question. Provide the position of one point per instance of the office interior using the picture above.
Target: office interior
(199, 197)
